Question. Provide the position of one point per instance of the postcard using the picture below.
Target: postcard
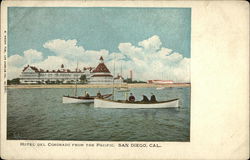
(124, 80)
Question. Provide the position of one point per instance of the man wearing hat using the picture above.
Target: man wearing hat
(153, 98)
(131, 98)
(145, 98)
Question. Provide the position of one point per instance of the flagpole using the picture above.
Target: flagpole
(113, 92)
(76, 79)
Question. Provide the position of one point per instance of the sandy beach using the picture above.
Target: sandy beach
(132, 85)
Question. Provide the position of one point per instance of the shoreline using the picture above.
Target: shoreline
(131, 85)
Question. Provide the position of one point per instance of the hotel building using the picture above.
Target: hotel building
(98, 75)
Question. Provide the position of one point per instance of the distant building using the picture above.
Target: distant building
(119, 79)
(161, 81)
(131, 75)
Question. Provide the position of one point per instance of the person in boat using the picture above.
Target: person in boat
(153, 98)
(86, 94)
(131, 98)
(99, 94)
(145, 98)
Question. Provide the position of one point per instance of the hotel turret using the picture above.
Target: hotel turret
(101, 74)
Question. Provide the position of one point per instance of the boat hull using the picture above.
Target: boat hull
(160, 88)
(101, 103)
(123, 90)
(75, 99)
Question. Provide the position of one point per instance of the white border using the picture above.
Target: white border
(220, 89)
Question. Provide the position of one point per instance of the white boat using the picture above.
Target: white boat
(160, 81)
(82, 99)
(104, 103)
(160, 88)
(123, 89)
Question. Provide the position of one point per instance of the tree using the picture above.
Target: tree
(47, 81)
(83, 78)
(14, 81)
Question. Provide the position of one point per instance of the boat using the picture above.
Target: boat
(123, 86)
(160, 81)
(123, 89)
(160, 88)
(111, 103)
(105, 103)
(83, 99)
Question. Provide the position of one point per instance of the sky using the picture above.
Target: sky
(153, 42)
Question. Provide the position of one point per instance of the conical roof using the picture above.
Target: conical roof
(101, 67)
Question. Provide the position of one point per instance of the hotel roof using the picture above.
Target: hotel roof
(101, 67)
(102, 75)
(56, 71)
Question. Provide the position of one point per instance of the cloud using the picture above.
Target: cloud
(32, 56)
(29, 56)
(16, 60)
(163, 52)
(13, 72)
(149, 59)
(69, 49)
(65, 48)
(152, 44)
(54, 63)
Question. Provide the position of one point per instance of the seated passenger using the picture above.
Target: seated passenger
(145, 98)
(87, 95)
(99, 94)
(131, 98)
(153, 98)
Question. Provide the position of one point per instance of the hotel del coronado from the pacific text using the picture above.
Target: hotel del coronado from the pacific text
(98, 75)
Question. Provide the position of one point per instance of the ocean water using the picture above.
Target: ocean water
(39, 114)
